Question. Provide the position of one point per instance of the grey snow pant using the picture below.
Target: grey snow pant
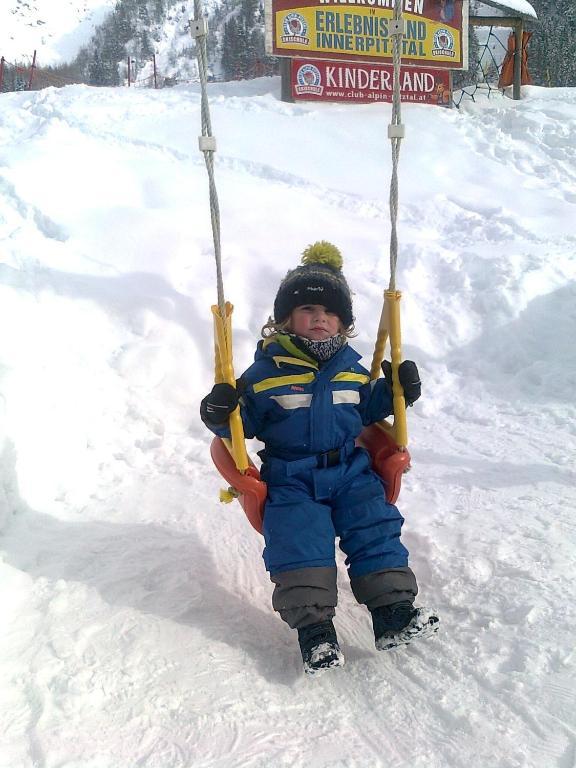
(309, 595)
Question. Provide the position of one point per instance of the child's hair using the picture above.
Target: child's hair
(272, 328)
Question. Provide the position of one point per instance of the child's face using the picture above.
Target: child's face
(314, 322)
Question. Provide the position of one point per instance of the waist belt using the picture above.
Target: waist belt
(318, 461)
(330, 458)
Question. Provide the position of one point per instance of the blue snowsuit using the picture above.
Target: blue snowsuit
(320, 485)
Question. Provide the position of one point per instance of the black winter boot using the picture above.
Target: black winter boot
(319, 647)
(400, 623)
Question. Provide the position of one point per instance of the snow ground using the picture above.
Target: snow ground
(136, 630)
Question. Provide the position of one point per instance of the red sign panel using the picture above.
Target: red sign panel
(435, 31)
(319, 80)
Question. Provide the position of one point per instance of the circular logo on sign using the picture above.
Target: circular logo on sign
(308, 75)
(443, 40)
(308, 81)
(295, 25)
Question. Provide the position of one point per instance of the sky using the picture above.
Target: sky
(136, 629)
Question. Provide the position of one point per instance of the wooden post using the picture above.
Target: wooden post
(1, 73)
(517, 25)
(32, 68)
(286, 80)
(154, 64)
(129, 71)
(519, 35)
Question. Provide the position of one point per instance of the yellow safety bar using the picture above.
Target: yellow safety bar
(389, 328)
(224, 373)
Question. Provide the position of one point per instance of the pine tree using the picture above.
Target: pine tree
(96, 70)
(158, 10)
(249, 10)
(125, 32)
(462, 78)
(242, 54)
(551, 58)
(243, 46)
(146, 46)
(230, 45)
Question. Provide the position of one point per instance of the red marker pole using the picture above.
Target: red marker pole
(32, 68)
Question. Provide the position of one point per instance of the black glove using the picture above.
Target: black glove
(409, 379)
(219, 404)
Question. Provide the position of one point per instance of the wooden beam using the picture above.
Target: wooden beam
(495, 21)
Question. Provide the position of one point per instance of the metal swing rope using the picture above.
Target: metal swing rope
(207, 143)
(395, 134)
(389, 326)
(222, 312)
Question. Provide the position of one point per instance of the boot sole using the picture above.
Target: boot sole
(427, 624)
(327, 663)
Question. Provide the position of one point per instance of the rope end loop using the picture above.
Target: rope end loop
(199, 27)
(207, 143)
(396, 131)
(396, 27)
(227, 495)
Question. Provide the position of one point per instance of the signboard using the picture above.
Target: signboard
(436, 31)
(321, 80)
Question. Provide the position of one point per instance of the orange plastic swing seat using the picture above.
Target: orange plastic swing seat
(387, 461)
(250, 491)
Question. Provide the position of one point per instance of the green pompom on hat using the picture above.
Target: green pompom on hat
(323, 252)
(319, 280)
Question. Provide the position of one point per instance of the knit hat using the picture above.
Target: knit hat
(318, 281)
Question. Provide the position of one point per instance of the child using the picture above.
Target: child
(307, 398)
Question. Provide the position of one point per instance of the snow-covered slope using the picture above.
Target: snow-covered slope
(56, 29)
(136, 630)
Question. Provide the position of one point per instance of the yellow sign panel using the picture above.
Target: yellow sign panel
(360, 31)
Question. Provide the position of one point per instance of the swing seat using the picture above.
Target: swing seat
(248, 488)
(387, 461)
